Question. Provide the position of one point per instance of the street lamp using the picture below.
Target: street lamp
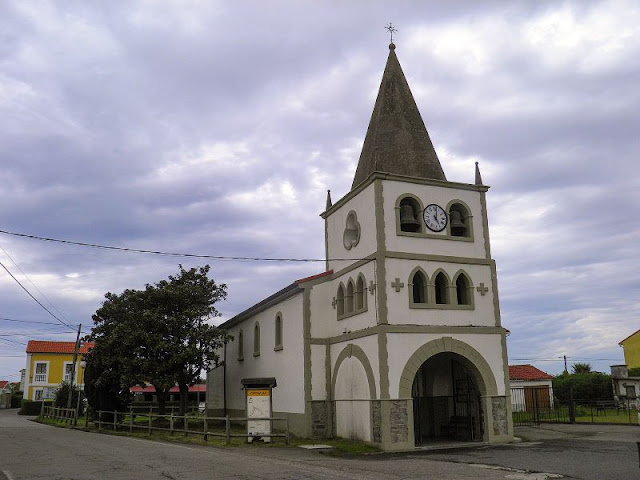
(83, 365)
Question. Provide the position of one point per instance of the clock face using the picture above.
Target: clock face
(435, 218)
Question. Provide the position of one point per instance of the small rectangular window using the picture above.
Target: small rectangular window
(41, 373)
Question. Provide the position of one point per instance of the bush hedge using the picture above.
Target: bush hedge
(587, 387)
(30, 407)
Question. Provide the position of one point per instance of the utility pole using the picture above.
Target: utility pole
(565, 364)
(73, 367)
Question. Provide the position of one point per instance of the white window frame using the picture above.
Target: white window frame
(64, 372)
(35, 370)
(37, 391)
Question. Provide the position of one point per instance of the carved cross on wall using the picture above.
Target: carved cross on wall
(397, 284)
(334, 303)
(372, 287)
(482, 289)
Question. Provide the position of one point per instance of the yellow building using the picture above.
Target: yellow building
(49, 364)
(631, 347)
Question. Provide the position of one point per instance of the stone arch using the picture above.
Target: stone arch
(411, 289)
(442, 289)
(488, 384)
(464, 276)
(349, 351)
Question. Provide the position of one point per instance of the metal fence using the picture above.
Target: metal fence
(536, 405)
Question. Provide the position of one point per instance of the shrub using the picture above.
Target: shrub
(30, 407)
(587, 387)
(16, 400)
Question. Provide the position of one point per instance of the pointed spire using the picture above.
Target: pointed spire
(397, 140)
(329, 204)
(478, 177)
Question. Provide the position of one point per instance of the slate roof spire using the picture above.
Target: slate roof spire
(397, 141)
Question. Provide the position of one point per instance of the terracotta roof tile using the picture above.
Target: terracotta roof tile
(3, 383)
(45, 346)
(200, 387)
(527, 372)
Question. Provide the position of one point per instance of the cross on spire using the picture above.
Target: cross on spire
(391, 30)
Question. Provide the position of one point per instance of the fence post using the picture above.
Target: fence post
(99, 420)
(629, 409)
(149, 422)
(42, 409)
(286, 425)
(131, 420)
(206, 428)
(171, 424)
(227, 429)
(572, 411)
(115, 420)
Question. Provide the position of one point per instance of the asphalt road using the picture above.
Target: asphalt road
(32, 451)
(586, 452)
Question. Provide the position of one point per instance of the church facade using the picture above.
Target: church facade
(399, 342)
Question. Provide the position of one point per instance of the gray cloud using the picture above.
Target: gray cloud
(217, 128)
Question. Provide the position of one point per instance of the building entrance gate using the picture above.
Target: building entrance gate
(446, 401)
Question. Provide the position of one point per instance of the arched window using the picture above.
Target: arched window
(462, 290)
(278, 334)
(410, 213)
(459, 220)
(441, 289)
(240, 346)
(256, 340)
(360, 293)
(348, 307)
(340, 301)
(419, 290)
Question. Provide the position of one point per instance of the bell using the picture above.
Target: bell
(408, 222)
(458, 228)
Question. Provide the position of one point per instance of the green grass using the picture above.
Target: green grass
(340, 446)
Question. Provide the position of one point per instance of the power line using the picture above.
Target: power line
(12, 341)
(32, 283)
(34, 298)
(27, 321)
(159, 252)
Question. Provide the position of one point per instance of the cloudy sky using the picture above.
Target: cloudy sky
(215, 128)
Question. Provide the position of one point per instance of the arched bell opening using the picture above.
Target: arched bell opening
(447, 402)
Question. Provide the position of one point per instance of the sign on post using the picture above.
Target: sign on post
(259, 408)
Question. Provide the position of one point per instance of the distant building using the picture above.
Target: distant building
(631, 347)
(625, 388)
(531, 388)
(5, 394)
(49, 364)
(399, 342)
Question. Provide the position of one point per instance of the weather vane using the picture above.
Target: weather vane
(391, 29)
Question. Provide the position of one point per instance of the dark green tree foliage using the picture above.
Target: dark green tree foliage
(634, 372)
(104, 384)
(581, 368)
(587, 387)
(62, 395)
(160, 334)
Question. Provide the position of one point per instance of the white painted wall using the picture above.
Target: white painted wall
(369, 345)
(324, 317)
(398, 302)
(287, 365)
(441, 196)
(318, 372)
(353, 410)
(363, 205)
(402, 345)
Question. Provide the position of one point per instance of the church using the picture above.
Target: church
(399, 342)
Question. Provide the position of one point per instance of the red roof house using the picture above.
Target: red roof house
(527, 373)
(531, 388)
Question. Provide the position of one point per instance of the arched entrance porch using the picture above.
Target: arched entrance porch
(450, 383)
(446, 400)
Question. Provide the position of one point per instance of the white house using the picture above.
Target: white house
(399, 341)
(531, 388)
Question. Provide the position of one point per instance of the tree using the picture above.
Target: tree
(581, 368)
(587, 387)
(160, 334)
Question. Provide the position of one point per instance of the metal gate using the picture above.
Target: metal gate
(535, 405)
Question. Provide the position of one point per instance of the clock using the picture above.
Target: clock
(435, 218)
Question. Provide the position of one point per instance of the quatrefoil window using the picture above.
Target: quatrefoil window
(351, 235)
